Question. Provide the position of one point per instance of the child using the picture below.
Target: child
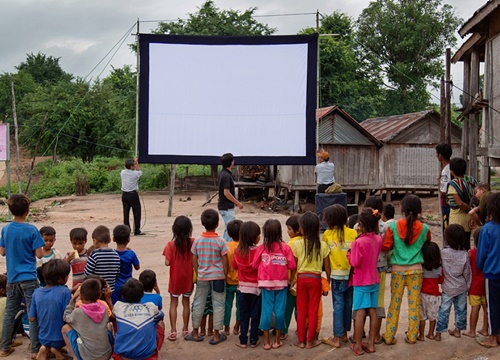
(128, 259)
(272, 260)
(363, 257)
(48, 307)
(18, 325)
(140, 328)
(477, 297)
(105, 297)
(339, 237)
(478, 213)
(49, 236)
(293, 230)
(77, 258)
(388, 215)
(311, 254)
(180, 259)
(103, 261)
(430, 296)
(86, 326)
(148, 280)
(248, 291)
(457, 280)
(488, 256)
(210, 262)
(21, 244)
(233, 230)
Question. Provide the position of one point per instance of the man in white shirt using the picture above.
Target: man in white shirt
(130, 195)
(324, 172)
(443, 154)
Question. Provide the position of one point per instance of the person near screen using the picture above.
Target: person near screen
(227, 199)
(130, 194)
(324, 171)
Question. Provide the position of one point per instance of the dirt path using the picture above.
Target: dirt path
(89, 211)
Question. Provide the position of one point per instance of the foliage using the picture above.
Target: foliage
(343, 81)
(23, 84)
(403, 41)
(209, 20)
(44, 69)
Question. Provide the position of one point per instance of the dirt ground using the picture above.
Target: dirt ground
(89, 211)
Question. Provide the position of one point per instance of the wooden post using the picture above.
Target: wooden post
(171, 188)
(442, 109)
(473, 118)
(467, 101)
(296, 202)
(16, 134)
(447, 125)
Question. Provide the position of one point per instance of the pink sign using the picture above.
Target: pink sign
(3, 142)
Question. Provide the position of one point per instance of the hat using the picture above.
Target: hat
(323, 155)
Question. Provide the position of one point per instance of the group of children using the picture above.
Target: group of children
(270, 278)
(106, 313)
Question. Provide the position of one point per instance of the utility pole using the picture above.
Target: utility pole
(448, 98)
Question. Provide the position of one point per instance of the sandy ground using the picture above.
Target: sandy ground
(89, 211)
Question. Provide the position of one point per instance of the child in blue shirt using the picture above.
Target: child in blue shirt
(128, 259)
(148, 280)
(21, 244)
(140, 328)
(48, 307)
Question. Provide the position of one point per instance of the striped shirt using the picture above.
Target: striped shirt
(210, 248)
(78, 267)
(104, 262)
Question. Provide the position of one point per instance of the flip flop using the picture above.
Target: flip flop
(253, 346)
(172, 336)
(314, 344)
(328, 341)
(357, 353)
(190, 337)
(365, 348)
(241, 346)
(267, 347)
(277, 345)
(380, 341)
(4, 353)
(222, 337)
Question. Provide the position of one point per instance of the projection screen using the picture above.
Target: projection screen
(203, 96)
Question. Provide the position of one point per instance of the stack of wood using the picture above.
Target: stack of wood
(254, 171)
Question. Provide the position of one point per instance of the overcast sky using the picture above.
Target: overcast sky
(81, 33)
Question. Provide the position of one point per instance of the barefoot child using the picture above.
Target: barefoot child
(457, 280)
(363, 258)
(233, 231)
(248, 290)
(488, 261)
(178, 256)
(48, 307)
(77, 258)
(311, 255)
(430, 296)
(273, 259)
(477, 294)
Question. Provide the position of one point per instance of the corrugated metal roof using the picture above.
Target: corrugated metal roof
(479, 15)
(386, 128)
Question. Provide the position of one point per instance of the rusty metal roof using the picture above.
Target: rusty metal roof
(387, 128)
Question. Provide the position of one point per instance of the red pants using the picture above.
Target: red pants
(308, 298)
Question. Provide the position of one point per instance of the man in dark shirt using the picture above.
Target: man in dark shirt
(227, 199)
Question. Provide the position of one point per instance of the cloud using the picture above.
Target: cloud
(77, 45)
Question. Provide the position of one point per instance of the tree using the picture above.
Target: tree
(343, 81)
(403, 41)
(209, 20)
(23, 83)
(44, 69)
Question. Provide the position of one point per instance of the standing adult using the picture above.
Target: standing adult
(459, 195)
(443, 154)
(227, 199)
(324, 171)
(130, 195)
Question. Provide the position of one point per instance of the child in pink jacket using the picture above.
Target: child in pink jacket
(273, 259)
(365, 279)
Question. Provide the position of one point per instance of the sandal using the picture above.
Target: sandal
(391, 342)
(222, 337)
(190, 337)
(357, 353)
(5, 353)
(172, 336)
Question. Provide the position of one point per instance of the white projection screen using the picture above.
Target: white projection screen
(203, 96)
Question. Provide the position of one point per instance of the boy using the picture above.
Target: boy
(478, 214)
(388, 214)
(210, 265)
(86, 328)
(140, 329)
(49, 236)
(443, 154)
(18, 326)
(293, 231)
(78, 257)
(21, 244)
(48, 307)
(233, 230)
(148, 280)
(103, 261)
(128, 259)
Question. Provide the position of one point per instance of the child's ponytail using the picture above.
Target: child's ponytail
(412, 208)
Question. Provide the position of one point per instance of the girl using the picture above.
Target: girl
(248, 291)
(406, 238)
(363, 258)
(273, 260)
(339, 237)
(457, 280)
(178, 256)
(311, 255)
(430, 296)
(487, 260)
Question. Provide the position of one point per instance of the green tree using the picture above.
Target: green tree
(23, 84)
(403, 41)
(209, 20)
(343, 81)
(44, 69)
